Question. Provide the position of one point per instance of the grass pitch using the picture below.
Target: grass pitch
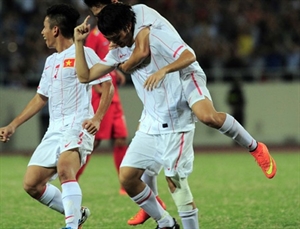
(230, 191)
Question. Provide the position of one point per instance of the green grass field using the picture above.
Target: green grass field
(229, 189)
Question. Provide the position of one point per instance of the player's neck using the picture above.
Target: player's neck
(63, 44)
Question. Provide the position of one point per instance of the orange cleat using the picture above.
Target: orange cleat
(122, 192)
(264, 160)
(142, 216)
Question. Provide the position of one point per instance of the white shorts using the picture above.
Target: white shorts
(174, 152)
(56, 142)
(194, 88)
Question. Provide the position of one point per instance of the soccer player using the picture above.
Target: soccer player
(96, 6)
(166, 129)
(72, 125)
(113, 125)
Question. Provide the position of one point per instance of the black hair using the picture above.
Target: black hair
(96, 3)
(65, 17)
(114, 18)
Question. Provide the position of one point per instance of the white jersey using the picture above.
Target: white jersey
(165, 108)
(69, 101)
(146, 16)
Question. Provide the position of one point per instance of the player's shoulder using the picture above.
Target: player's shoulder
(51, 57)
(137, 7)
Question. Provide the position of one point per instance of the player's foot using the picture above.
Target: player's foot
(264, 160)
(85, 213)
(122, 192)
(175, 226)
(66, 228)
(142, 216)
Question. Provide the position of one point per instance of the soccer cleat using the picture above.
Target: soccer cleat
(142, 216)
(264, 160)
(85, 213)
(66, 228)
(122, 192)
(175, 226)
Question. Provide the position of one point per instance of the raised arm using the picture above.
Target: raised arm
(33, 107)
(140, 52)
(86, 75)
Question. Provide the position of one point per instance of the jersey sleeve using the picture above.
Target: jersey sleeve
(92, 59)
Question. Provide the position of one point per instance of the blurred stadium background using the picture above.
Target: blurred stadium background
(254, 42)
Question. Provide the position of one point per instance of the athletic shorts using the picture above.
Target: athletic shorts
(56, 142)
(194, 88)
(113, 124)
(174, 152)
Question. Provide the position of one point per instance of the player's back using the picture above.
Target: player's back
(146, 16)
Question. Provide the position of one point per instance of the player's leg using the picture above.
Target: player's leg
(67, 168)
(200, 102)
(139, 156)
(178, 158)
(41, 168)
(141, 216)
(77, 144)
(36, 185)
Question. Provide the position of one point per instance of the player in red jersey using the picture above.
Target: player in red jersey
(113, 125)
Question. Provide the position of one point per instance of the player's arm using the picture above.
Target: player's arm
(33, 107)
(185, 59)
(86, 75)
(107, 92)
(140, 52)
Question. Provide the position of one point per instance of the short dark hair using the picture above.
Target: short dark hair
(115, 17)
(96, 3)
(65, 17)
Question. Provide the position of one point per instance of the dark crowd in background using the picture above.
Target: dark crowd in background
(252, 40)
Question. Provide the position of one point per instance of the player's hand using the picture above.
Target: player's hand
(91, 125)
(6, 132)
(153, 80)
(83, 30)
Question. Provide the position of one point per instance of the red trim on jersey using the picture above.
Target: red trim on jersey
(175, 53)
(195, 82)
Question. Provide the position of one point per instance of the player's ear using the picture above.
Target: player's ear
(55, 31)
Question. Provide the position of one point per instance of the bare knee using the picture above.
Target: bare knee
(34, 190)
(130, 179)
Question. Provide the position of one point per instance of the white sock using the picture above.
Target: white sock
(71, 198)
(189, 219)
(151, 182)
(52, 198)
(232, 128)
(146, 200)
